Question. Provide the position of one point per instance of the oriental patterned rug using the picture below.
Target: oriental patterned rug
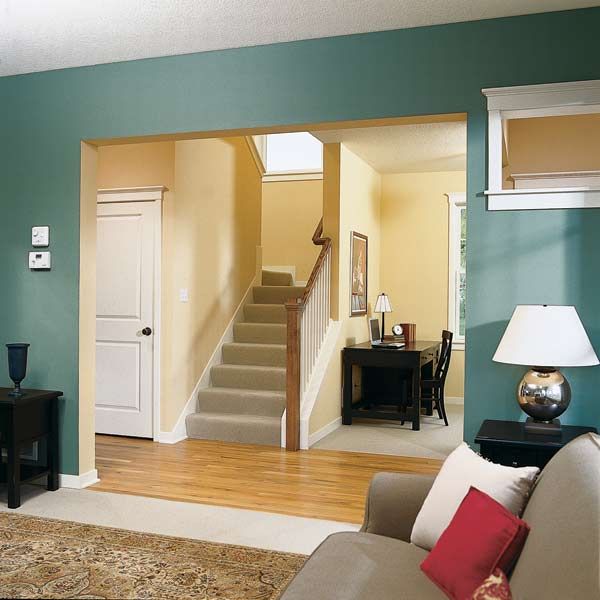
(46, 558)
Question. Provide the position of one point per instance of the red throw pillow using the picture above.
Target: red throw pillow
(495, 587)
(481, 537)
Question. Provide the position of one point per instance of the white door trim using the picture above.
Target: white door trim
(154, 194)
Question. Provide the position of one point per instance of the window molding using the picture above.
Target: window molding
(543, 100)
(456, 202)
(292, 176)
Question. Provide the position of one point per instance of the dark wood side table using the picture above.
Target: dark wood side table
(23, 420)
(507, 443)
(407, 362)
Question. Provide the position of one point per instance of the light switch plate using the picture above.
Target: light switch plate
(184, 295)
(40, 261)
(40, 236)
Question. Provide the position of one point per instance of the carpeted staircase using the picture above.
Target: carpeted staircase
(247, 397)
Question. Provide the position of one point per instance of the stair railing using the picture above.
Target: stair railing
(307, 323)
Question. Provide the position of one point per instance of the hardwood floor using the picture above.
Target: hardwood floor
(324, 484)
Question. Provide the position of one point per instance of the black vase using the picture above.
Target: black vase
(17, 366)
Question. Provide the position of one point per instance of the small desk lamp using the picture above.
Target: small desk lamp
(383, 306)
(548, 337)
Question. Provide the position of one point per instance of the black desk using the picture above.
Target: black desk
(407, 364)
(507, 443)
(24, 420)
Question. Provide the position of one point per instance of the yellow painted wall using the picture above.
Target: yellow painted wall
(136, 165)
(414, 256)
(211, 228)
(359, 210)
(291, 210)
(554, 144)
(212, 235)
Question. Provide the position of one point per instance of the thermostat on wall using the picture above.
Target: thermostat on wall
(40, 260)
(40, 236)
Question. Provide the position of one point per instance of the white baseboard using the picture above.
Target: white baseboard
(171, 437)
(78, 482)
(179, 432)
(318, 435)
(454, 400)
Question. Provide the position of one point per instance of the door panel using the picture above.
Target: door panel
(124, 306)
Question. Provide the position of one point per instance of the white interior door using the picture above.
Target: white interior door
(125, 317)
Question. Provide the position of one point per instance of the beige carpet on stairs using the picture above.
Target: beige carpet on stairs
(246, 399)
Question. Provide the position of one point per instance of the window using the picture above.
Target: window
(543, 146)
(457, 268)
(293, 153)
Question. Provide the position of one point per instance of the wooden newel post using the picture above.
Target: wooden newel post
(292, 420)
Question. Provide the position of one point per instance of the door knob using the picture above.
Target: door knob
(146, 331)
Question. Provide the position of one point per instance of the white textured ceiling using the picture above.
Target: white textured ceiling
(419, 148)
(41, 35)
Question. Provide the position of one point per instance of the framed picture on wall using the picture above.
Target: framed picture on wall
(358, 274)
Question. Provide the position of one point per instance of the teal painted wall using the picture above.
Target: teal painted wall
(514, 257)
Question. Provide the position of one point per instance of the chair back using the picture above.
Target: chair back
(443, 364)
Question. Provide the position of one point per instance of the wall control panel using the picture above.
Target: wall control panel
(40, 236)
(40, 260)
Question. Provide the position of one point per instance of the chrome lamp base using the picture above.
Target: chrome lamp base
(544, 394)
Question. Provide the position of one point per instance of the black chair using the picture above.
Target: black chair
(432, 390)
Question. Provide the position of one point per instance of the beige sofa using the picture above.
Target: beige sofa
(560, 560)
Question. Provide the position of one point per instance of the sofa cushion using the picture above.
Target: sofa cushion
(462, 469)
(481, 537)
(353, 566)
(561, 557)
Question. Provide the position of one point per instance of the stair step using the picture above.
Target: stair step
(275, 294)
(260, 333)
(265, 355)
(248, 377)
(277, 278)
(241, 402)
(265, 313)
(245, 429)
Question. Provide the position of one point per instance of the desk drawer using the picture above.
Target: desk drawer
(428, 356)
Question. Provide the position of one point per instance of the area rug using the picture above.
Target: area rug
(46, 558)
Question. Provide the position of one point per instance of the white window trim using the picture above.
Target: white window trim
(274, 176)
(522, 102)
(456, 202)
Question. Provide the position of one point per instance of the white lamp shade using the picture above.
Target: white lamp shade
(546, 336)
(383, 304)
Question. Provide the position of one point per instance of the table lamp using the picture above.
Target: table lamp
(383, 306)
(544, 338)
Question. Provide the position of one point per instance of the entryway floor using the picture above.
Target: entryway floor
(320, 484)
(433, 440)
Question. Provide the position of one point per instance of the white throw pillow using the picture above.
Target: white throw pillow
(462, 469)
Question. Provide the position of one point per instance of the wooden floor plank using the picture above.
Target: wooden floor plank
(323, 484)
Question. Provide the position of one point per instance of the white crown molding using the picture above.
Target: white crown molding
(541, 96)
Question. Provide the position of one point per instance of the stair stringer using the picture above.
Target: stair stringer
(307, 402)
(179, 432)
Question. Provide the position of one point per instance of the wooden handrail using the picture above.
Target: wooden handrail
(294, 309)
(317, 241)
